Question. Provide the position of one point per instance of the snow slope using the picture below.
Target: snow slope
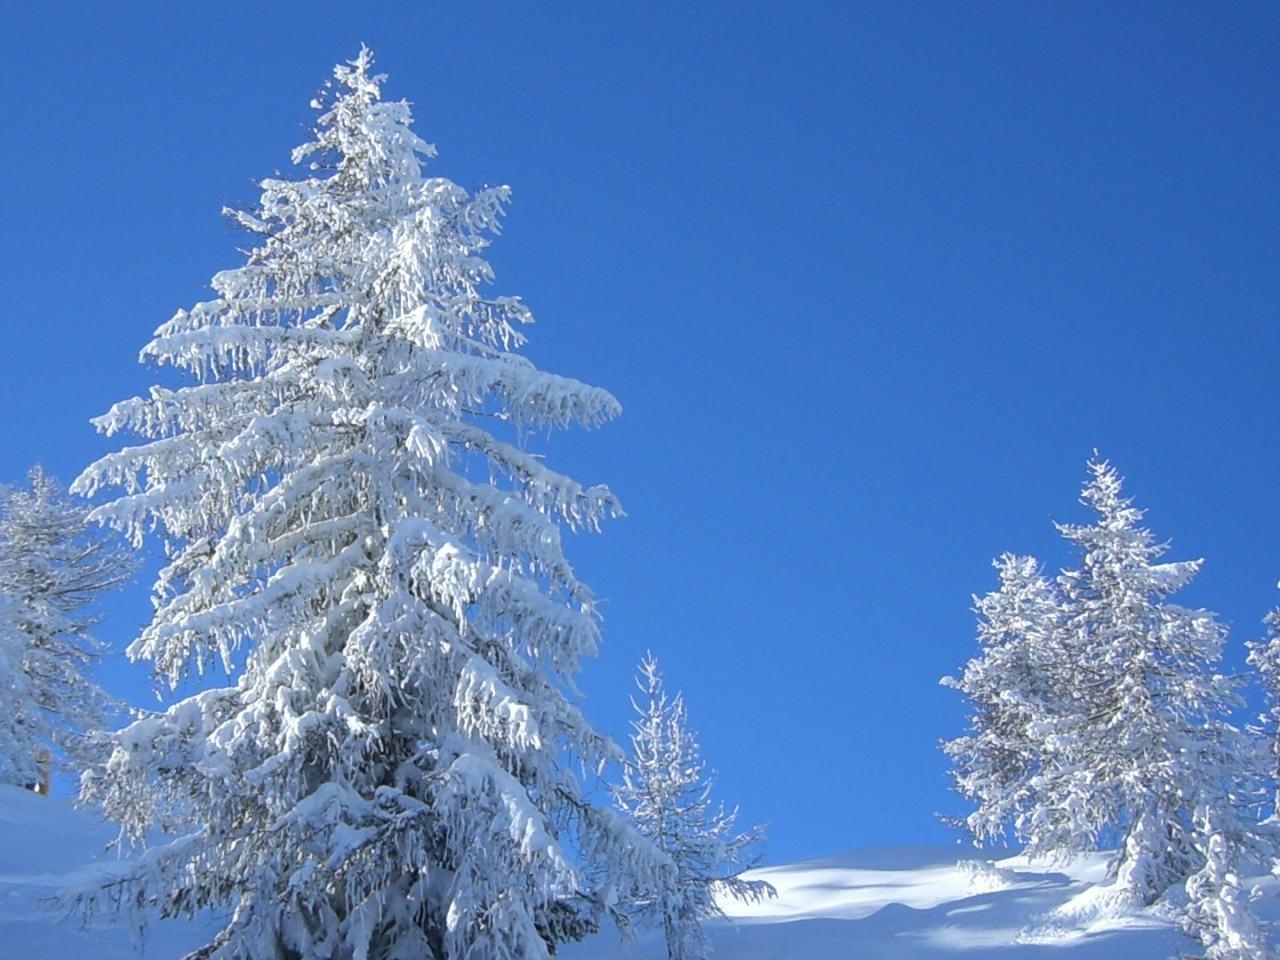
(47, 845)
(905, 903)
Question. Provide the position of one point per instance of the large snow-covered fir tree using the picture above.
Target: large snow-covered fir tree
(1099, 719)
(53, 565)
(356, 531)
(666, 791)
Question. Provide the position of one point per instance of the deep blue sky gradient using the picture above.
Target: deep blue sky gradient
(871, 281)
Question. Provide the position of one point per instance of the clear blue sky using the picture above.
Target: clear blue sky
(870, 280)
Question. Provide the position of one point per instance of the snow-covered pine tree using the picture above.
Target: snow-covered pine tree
(1013, 689)
(53, 566)
(348, 507)
(1149, 746)
(666, 792)
(1123, 738)
(1264, 656)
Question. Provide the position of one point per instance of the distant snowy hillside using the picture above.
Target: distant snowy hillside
(904, 903)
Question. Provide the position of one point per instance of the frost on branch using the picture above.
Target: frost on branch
(353, 522)
(666, 791)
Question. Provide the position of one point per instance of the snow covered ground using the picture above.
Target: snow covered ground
(905, 903)
(912, 903)
(47, 845)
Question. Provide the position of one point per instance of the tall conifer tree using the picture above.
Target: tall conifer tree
(354, 527)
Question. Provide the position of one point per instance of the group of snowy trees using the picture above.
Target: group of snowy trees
(1101, 721)
(354, 529)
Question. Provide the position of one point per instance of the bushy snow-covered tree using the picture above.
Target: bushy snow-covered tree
(666, 791)
(1013, 689)
(53, 566)
(349, 510)
(1099, 717)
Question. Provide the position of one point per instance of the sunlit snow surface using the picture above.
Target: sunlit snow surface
(906, 903)
(910, 903)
